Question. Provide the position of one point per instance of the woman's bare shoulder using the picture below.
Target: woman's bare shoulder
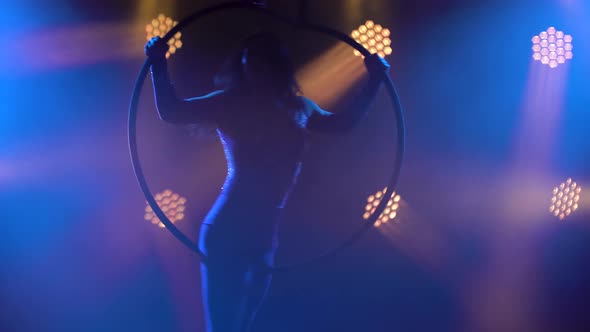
(217, 94)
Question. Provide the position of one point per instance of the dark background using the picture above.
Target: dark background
(474, 247)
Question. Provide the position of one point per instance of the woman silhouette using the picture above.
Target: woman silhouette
(262, 121)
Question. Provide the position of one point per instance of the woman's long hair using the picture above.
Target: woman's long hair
(270, 48)
(231, 74)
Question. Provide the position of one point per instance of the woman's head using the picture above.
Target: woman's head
(263, 63)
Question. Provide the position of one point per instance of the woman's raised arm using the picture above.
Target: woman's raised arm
(171, 108)
(324, 121)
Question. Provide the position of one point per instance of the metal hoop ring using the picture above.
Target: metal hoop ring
(132, 130)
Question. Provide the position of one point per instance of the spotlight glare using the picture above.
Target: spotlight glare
(543, 35)
(172, 204)
(373, 37)
(159, 27)
(390, 212)
(549, 45)
(565, 199)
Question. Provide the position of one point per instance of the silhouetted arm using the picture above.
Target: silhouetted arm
(170, 107)
(176, 110)
(324, 121)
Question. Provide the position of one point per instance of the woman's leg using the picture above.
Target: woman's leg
(259, 282)
(235, 279)
(233, 290)
(223, 295)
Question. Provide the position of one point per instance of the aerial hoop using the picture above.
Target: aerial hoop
(303, 25)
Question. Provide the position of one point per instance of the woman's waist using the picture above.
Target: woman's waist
(260, 189)
(259, 171)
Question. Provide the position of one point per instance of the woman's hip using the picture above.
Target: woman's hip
(221, 241)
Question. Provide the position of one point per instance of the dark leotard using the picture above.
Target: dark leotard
(264, 142)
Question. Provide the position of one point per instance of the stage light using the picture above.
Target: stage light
(566, 199)
(390, 211)
(552, 47)
(172, 204)
(159, 26)
(373, 37)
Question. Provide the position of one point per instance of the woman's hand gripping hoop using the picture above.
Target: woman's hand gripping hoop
(372, 62)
